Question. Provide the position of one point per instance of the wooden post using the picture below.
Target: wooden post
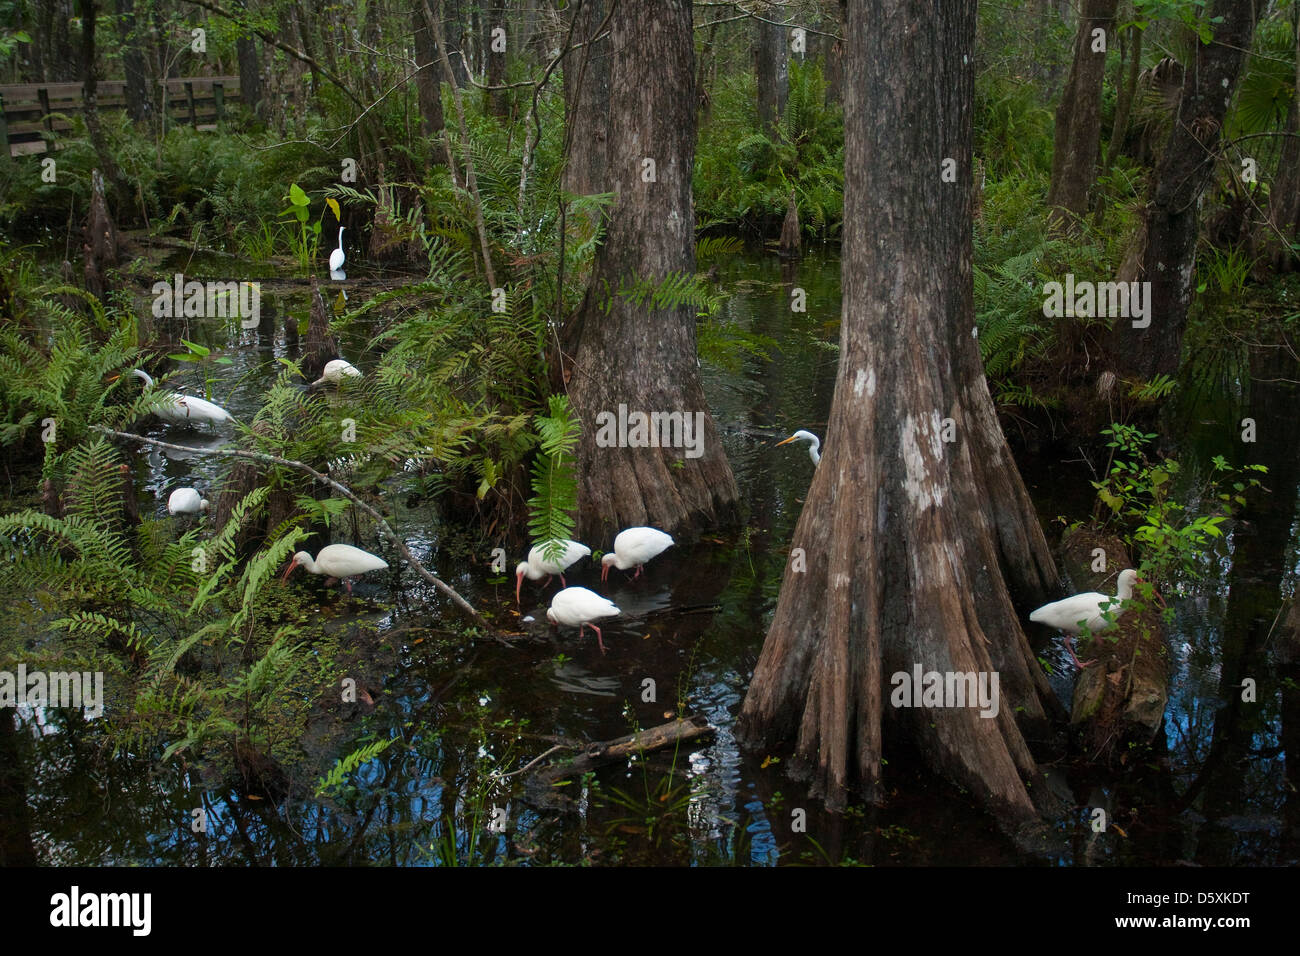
(219, 99)
(189, 98)
(4, 130)
(44, 95)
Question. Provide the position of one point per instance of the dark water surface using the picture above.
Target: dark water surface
(693, 625)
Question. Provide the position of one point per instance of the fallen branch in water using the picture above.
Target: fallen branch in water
(652, 738)
(346, 492)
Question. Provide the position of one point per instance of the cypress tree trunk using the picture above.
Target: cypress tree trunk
(1078, 118)
(912, 544)
(640, 356)
(586, 101)
(772, 67)
(427, 87)
(1173, 212)
(139, 104)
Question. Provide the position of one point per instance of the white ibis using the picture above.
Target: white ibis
(579, 607)
(181, 409)
(337, 256)
(814, 444)
(537, 567)
(633, 547)
(336, 370)
(339, 561)
(1078, 611)
(186, 501)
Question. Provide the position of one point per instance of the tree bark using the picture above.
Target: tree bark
(1078, 118)
(139, 104)
(427, 88)
(497, 100)
(1173, 211)
(586, 101)
(772, 68)
(644, 357)
(911, 546)
(1124, 103)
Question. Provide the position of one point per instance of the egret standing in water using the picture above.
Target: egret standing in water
(633, 547)
(181, 409)
(579, 607)
(339, 561)
(1078, 611)
(815, 444)
(538, 567)
(337, 257)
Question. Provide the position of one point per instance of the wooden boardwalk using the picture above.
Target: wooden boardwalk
(29, 112)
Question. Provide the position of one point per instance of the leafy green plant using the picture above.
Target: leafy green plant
(202, 356)
(1139, 495)
(555, 483)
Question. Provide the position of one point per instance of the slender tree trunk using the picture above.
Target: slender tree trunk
(1124, 103)
(250, 72)
(917, 528)
(772, 67)
(498, 101)
(643, 357)
(139, 103)
(1078, 118)
(1172, 216)
(427, 87)
(90, 99)
(834, 68)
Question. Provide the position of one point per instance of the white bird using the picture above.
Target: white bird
(184, 409)
(537, 567)
(336, 370)
(633, 547)
(815, 444)
(578, 606)
(186, 501)
(337, 256)
(339, 561)
(1078, 611)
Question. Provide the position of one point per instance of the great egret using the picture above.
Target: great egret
(186, 501)
(1078, 611)
(537, 567)
(579, 607)
(184, 409)
(633, 547)
(815, 444)
(339, 561)
(337, 257)
(336, 370)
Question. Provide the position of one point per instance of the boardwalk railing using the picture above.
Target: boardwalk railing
(30, 110)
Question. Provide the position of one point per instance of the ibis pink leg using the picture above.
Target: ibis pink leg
(1069, 646)
(599, 639)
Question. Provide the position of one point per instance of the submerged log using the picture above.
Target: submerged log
(652, 738)
(1121, 698)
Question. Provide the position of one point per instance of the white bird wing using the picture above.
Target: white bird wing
(343, 560)
(1068, 612)
(574, 605)
(639, 545)
(573, 552)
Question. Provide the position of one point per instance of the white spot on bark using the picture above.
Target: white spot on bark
(918, 438)
(865, 380)
(840, 580)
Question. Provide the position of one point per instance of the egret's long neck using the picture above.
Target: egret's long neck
(340, 237)
(143, 376)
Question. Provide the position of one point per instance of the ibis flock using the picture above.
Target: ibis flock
(574, 606)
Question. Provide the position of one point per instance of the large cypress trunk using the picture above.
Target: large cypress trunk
(640, 356)
(1185, 170)
(911, 545)
(1078, 118)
